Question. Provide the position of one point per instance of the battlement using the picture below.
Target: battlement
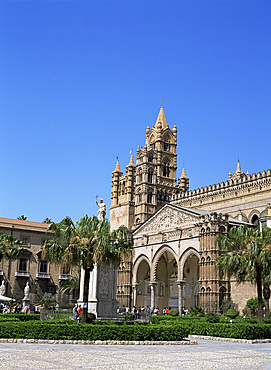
(231, 187)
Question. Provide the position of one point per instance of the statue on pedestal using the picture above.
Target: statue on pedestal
(26, 292)
(3, 288)
(102, 210)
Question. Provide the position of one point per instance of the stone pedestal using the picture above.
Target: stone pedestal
(102, 292)
(26, 302)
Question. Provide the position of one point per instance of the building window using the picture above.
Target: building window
(149, 198)
(150, 158)
(43, 266)
(166, 147)
(255, 221)
(23, 264)
(150, 175)
(51, 289)
(166, 169)
(25, 241)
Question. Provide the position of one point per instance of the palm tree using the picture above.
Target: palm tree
(22, 217)
(10, 247)
(266, 280)
(47, 220)
(85, 243)
(73, 283)
(246, 253)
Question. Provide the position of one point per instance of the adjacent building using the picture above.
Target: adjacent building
(31, 267)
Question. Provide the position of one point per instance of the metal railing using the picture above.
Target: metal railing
(43, 275)
(22, 274)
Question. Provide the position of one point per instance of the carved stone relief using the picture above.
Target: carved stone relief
(167, 219)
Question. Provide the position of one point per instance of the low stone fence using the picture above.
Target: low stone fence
(55, 314)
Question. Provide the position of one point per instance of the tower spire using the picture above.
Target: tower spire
(161, 117)
(117, 169)
(131, 163)
(238, 168)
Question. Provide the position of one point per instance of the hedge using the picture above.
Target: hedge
(19, 317)
(61, 331)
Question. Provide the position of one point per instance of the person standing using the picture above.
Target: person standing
(75, 313)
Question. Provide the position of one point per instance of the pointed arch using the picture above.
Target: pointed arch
(183, 258)
(158, 255)
(136, 265)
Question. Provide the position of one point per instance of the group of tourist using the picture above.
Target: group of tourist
(138, 311)
(18, 308)
(77, 311)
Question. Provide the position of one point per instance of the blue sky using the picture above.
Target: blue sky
(81, 80)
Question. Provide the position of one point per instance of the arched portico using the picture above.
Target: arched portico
(189, 279)
(141, 282)
(165, 276)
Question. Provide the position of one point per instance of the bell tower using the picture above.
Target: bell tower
(164, 141)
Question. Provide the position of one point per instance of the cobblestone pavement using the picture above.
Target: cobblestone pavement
(205, 355)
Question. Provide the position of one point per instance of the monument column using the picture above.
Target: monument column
(180, 284)
(152, 295)
(81, 289)
(134, 295)
(94, 286)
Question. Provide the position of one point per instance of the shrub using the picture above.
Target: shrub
(91, 317)
(232, 313)
(196, 311)
(72, 331)
(251, 308)
(212, 317)
(227, 304)
(173, 312)
(48, 301)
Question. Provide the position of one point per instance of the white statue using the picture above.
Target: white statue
(102, 210)
(3, 288)
(26, 291)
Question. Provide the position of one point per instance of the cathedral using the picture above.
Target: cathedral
(174, 229)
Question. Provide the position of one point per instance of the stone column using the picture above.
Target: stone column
(134, 295)
(81, 290)
(152, 295)
(94, 284)
(180, 284)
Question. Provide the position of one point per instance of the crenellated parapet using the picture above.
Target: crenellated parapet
(243, 186)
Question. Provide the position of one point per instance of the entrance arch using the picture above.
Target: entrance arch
(141, 282)
(189, 273)
(165, 277)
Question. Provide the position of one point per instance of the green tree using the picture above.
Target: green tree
(245, 254)
(47, 220)
(22, 217)
(48, 301)
(85, 243)
(73, 283)
(266, 273)
(10, 247)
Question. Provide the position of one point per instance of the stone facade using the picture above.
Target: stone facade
(174, 228)
(41, 275)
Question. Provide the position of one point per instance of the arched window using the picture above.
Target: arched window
(166, 169)
(167, 143)
(123, 188)
(139, 176)
(255, 221)
(149, 197)
(150, 175)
